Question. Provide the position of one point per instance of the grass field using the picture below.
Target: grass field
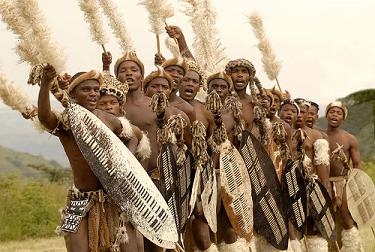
(55, 244)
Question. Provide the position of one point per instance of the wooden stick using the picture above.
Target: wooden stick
(105, 51)
(337, 246)
(175, 40)
(278, 85)
(158, 44)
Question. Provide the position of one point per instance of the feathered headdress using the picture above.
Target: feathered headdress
(117, 25)
(92, 17)
(270, 64)
(208, 50)
(159, 11)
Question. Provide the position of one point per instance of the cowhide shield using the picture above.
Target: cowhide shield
(321, 210)
(175, 184)
(270, 214)
(185, 182)
(123, 177)
(360, 194)
(209, 195)
(294, 190)
(168, 180)
(235, 190)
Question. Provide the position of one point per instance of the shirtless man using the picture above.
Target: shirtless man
(336, 113)
(83, 90)
(317, 159)
(222, 84)
(242, 72)
(193, 80)
(312, 116)
(288, 112)
(177, 68)
(111, 100)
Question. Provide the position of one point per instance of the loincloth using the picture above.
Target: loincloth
(338, 185)
(105, 220)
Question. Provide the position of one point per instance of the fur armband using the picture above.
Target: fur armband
(321, 152)
(127, 130)
(144, 148)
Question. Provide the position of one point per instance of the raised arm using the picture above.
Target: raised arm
(106, 60)
(45, 115)
(354, 153)
(176, 33)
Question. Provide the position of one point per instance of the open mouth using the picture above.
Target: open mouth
(130, 80)
(92, 101)
(188, 91)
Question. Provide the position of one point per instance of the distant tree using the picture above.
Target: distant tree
(54, 175)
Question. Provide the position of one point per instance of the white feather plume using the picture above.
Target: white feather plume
(15, 23)
(48, 50)
(117, 25)
(172, 47)
(11, 95)
(90, 9)
(270, 64)
(208, 50)
(159, 11)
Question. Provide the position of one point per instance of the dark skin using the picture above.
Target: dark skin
(188, 90)
(111, 105)
(228, 234)
(161, 85)
(312, 135)
(177, 73)
(85, 94)
(175, 33)
(241, 77)
(336, 135)
(288, 113)
(312, 116)
(273, 118)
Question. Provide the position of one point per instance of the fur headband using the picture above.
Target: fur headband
(91, 75)
(338, 104)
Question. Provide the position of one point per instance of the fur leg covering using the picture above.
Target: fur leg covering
(212, 248)
(261, 244)
(295, 246)
(239, 246)
(316, 244)
(351, 240)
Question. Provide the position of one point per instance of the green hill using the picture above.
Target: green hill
(360, 121)
(22, 163)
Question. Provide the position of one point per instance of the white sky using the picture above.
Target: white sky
(327, 47)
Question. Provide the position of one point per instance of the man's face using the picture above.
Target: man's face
(275, 106)
(301, 118)
(130, 72)
(110, 104)
(220, 86)
(288, 113)
(335, 117)
(86, 94)
(312, 116)
(158, 85)
(189, 86)
(177, 73)
(240, 77)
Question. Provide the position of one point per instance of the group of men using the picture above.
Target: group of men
(240, 148)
